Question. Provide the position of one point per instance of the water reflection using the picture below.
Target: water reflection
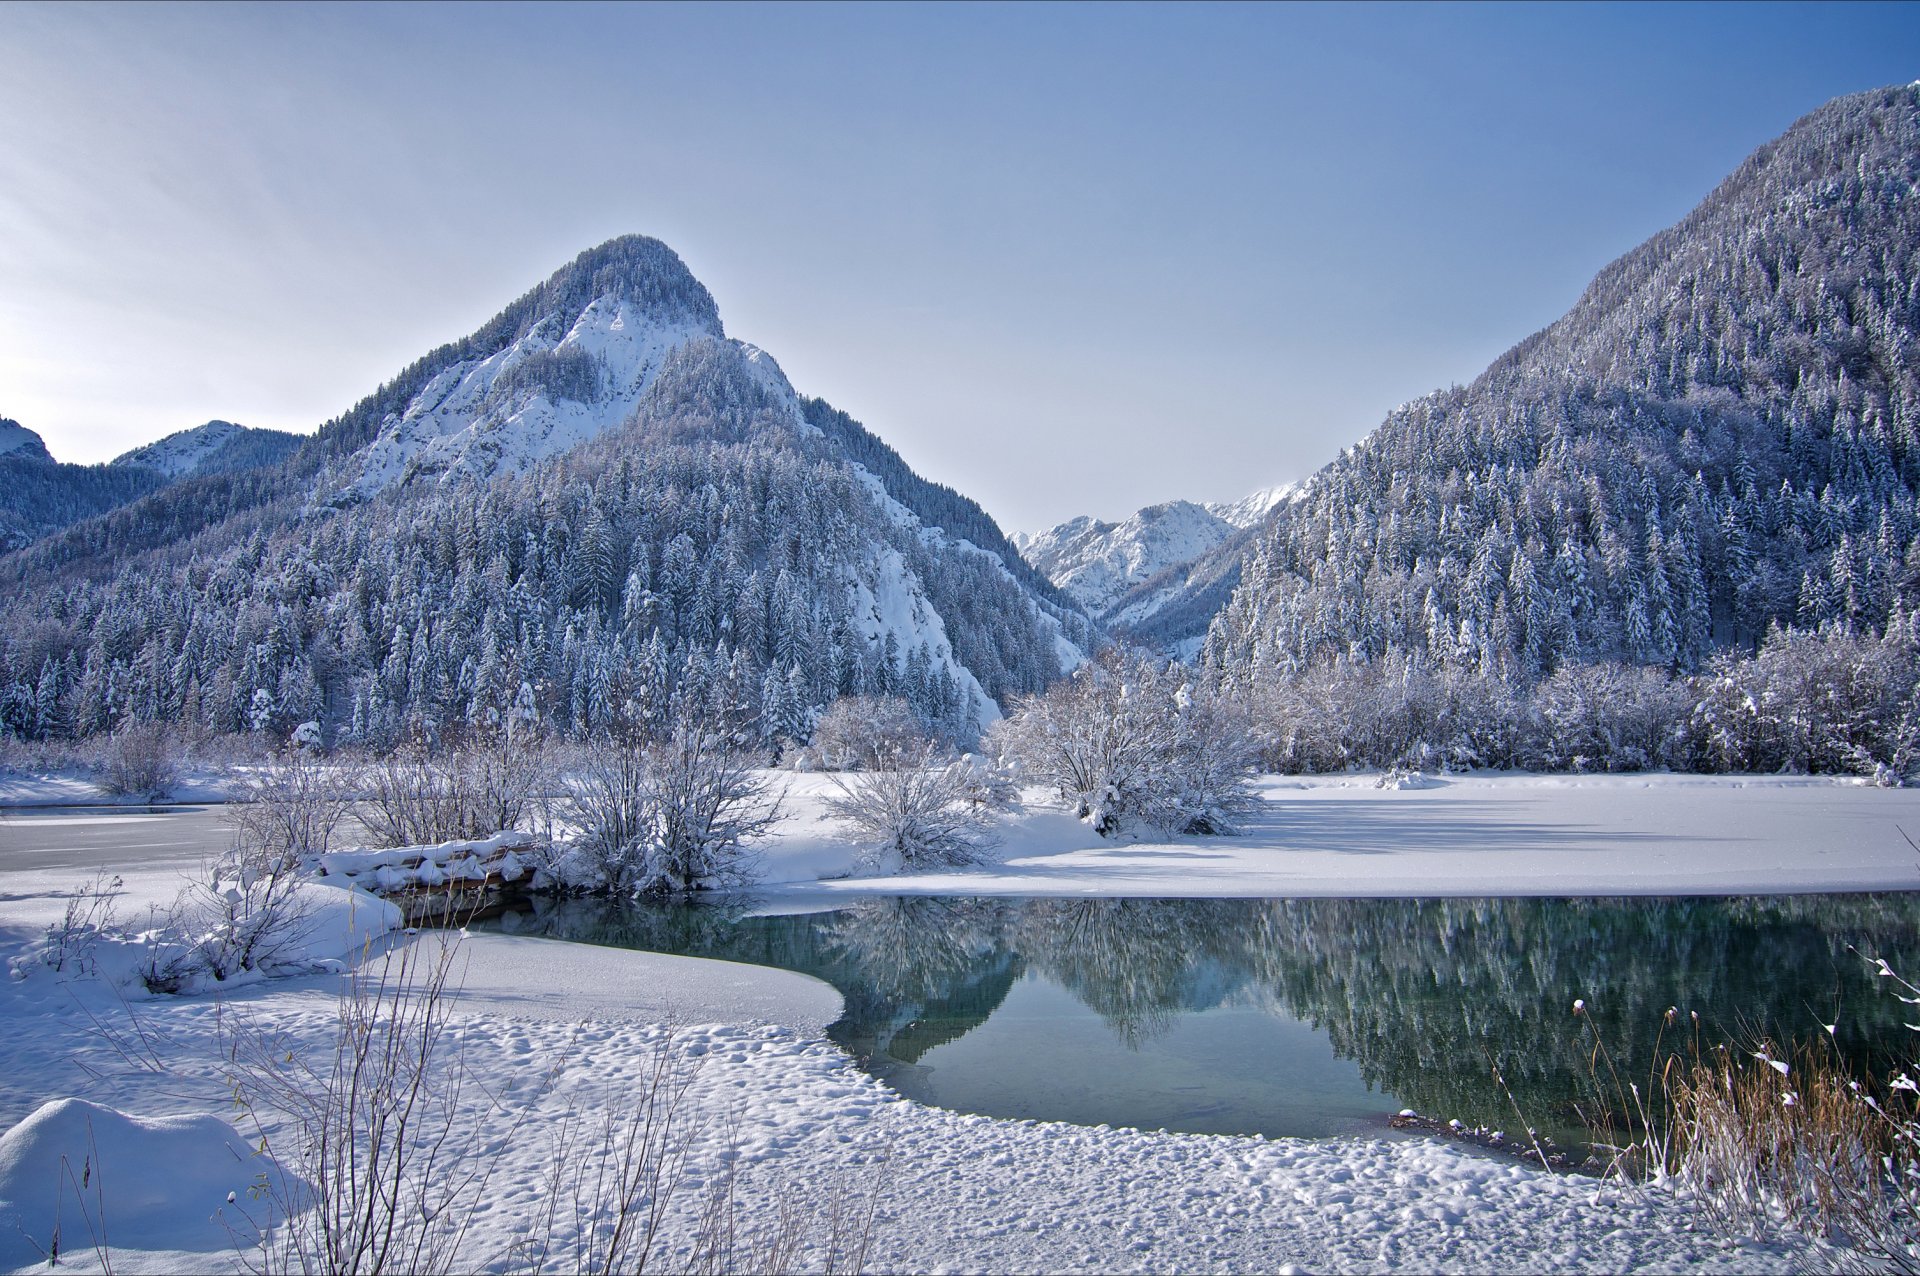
(1413, 998)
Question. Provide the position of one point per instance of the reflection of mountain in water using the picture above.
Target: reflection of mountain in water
(1422, 994)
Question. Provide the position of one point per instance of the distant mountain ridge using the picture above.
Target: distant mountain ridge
(216, 447)
(1127, 575)
(40, 496)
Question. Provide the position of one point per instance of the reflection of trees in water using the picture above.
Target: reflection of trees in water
(701, 929)
(1137, 963)
(917, 947)
(1420, 993)
(917, 971)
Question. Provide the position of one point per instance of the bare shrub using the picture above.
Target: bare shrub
(289, 809)
(917, 814)
(385, 1145)
(138, 762)
(866, 733)
(613, 1180)
(242, 916)
(670, 817)
(1773, 1143)
(706, 803)
(382, 1164)
(419, 797)
(1131, 740)
(606, 800)
(89, 913)
(1763, 1140)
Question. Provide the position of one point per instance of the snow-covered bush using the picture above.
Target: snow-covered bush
(985, 782)
(1828, 701)
(225, 925)
(289, 809)
(1131, 740)
(865, 733)
(605, 800)
(1609, 717)
(917, 814)
(705, 803)
(253, 912)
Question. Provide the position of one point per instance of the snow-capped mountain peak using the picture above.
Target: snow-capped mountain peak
(564, 364)
(1249, 510)
(1096, 563)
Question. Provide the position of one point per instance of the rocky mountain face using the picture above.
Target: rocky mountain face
(18, 443)
(594, 511)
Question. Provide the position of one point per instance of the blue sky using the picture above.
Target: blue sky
(1067, 259)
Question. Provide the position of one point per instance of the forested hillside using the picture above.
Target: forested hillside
(1722, 437)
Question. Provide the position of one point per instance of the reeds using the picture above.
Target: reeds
(1770, 1142)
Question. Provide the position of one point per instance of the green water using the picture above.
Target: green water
(1299, 1017)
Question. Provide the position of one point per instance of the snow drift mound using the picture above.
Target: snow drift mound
(74, 1174)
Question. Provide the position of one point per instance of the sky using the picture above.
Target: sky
(1069, 260)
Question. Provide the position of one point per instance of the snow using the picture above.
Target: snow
(391, 868)
(456, 427)
(1097, 563)
(1479, 834)
(1249, 510)
(888, 599)
(555, 1028)
(75, 1172)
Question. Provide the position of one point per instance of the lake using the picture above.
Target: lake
(1298, 1017)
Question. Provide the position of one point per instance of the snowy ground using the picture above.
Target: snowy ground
(555, 1028)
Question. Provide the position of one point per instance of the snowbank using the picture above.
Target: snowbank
(398, 868)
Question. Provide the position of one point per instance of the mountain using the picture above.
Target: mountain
(1097, 563)
(1135, 575)
(1722, 435)
(18, 443)
(214, 448)
(596, 510)
(39, 495)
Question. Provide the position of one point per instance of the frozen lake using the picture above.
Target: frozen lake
(88, 839)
